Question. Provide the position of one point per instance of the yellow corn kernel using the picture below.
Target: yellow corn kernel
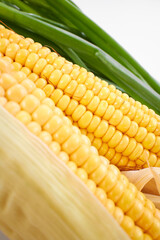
(101, 129)
(94, 124)
(25, 43)
(97, 143)
(31, 60)
(34, 127)
(72, 166)
(81, 173)
(16, 93)
(48, 89)
(63, 157)
(49, 103)
(63, 102)
(26, 70)
(101, 195)
(45, 137)
(39, 66)
(78, 113)
(21, 56)
(127, 200)
(92, 106)
(104, 93)
(34, 47)
(128, 225)
(43, 52)
(7, 81)
(39, 94)
(42, 114)
(109, 181)
(92, 163)
(115, 140)
(80, 155)
(116, 118)
(62, 134)
(46, 72)
(33, 77)
(101, 108)
(15, 38)
(146, 220)
(3, 44)
(24, 117)
(29, 85)
(123, 144)
(99, 173)
(110, 153)
(30, 103)
(109, 134)
(149, 141)
(118, 215)
(16, 66)
(3, 101)
(64, 81)
(40, 83)
(12, 107)
(58, 62)
(85, 119)
(11, 50)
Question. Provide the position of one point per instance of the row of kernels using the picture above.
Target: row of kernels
(147, 112)
(94, 104)
(139, 136)
(87, 115)
(126, 222)
(18, 98)
(45, 53)
(152, 121)
(122, 160)
(35, 127)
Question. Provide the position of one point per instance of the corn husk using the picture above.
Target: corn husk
(148, 181)
(40, 198)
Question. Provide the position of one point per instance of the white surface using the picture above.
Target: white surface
(135, 24)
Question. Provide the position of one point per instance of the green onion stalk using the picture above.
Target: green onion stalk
(88, 52)
(99, 37)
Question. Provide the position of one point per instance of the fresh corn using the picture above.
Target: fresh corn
(30, 105)
(40, 199)
(124, 131)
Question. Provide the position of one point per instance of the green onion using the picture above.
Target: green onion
(22, 6)
(97, 58)
(60, 25)
(102, 39)
(74, 57)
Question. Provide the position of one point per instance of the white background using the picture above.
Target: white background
(135, 24)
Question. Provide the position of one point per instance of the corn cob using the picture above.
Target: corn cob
(96, 84)
(143, 142)
(137, 215)
(38, 194)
